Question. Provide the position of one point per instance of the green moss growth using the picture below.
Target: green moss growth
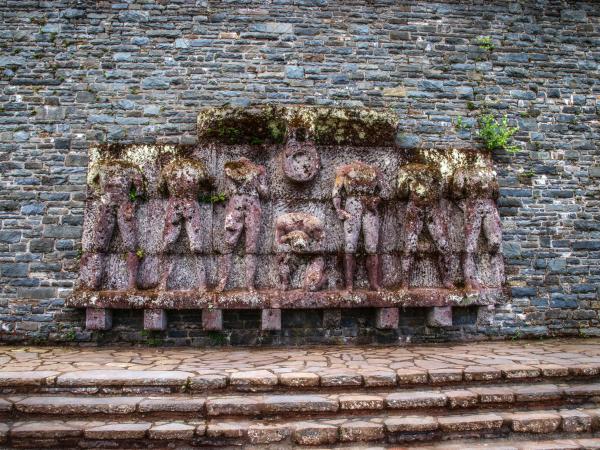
(254, 126)
(270, 125)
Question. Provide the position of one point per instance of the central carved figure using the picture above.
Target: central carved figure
(298, 235)
(182, 179)
(361, 184)
(421, 185)
(246, 183)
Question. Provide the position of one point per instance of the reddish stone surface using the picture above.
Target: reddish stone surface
(387, 318)
(155, 319)
(98, 319)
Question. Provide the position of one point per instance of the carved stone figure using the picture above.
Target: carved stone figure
(361, 184)
(298, 236)
(421, 185)
(300, 157)
(476, 188)
(118, 185)
(246, 182)
(182, 180)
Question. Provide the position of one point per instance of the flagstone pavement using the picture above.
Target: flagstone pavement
(550, 352)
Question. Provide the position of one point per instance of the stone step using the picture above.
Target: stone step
(271, 404)
(111, 381)
(510, 444)
(384, 429)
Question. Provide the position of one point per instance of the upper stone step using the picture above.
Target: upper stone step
(111, 381)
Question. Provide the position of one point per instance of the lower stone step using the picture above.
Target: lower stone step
(383, 429)
(512, 444)
(266, 405)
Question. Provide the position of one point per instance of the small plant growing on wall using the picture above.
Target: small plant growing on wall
(485, 43)
(496, 134)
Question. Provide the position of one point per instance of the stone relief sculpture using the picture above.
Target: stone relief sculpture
(117, 185)
(421, 185)
(448, 193)
(361, 184)
(300, 158)
(476, 188)
(246, 183)
(298, 236)
(182, 180)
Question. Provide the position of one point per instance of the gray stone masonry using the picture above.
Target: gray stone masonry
(77, 73)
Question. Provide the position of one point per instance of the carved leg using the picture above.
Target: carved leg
(133, 263)
(406, 270)
(445, 261)
(373, 272)
(470, 272)
(251, 261)
(225, 262)
(284, 271)
(193, 227)
(473, 220)
(349, 267)
(437, 224)
(413, 224)
(165, 273)
(315, 274)
(90, 274)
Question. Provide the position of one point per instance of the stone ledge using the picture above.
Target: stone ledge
(268, 124)
(293, 299)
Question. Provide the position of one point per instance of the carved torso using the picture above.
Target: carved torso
(419, 183)
(358, 179)
(475, 183)
(114, 182)
(244, 177)
(184, 180)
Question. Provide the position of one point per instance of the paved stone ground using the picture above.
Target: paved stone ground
(555, 352)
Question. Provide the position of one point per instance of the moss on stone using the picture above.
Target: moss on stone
(270, 124)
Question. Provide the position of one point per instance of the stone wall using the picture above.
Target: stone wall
(76, 73)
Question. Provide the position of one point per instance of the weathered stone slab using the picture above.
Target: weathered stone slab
(473, 422)
(155, 319)
(440, 316)
(27, 378)
(255, 380)
(171, 404)
(270, 319)
(118, 431)
(171, 431)
(359, 431)
(78, 405)
(294, 299)
(124, 378)
(212, 319)
(99, 319)
(414, 399)
(299, 379)
(314, 433)
(535, 422)
(387, 318)
(411, 424)
(361, 401)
